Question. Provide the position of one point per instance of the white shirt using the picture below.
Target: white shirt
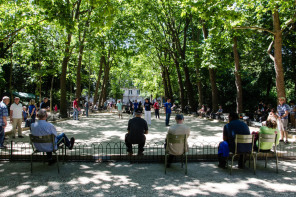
(17, 110)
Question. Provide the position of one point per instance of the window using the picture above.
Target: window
(130, 92)
(138, 92)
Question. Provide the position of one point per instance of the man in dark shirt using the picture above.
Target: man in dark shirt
(147, 106)
(45, 104)
(235, 126)
(137, 127)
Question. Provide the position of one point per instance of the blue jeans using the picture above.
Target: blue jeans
(66, 141)
(2, 135)
(75, 114)
(167, 118)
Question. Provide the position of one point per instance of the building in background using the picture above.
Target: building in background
(131, 94)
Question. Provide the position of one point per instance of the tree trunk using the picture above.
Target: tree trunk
(51, 88)
(181, 87)
(170, 91)
(212, 74)
(164, 80)
(238, 80)
(63, 82)
(78, 72)
(99, 79)
(106, 85)
(278, 65)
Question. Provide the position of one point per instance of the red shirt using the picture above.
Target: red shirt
(75, 104)
(156, 105)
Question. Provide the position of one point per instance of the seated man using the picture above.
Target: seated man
(42, 128)
(235, 126)
(137, 127)
(219, 112)
(177, 129)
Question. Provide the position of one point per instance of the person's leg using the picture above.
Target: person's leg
(128, 145)
(149, 117)
(33, 118)
(66, 140)
(13, 131)
(285, 124)
(166, 119)
(141, 145)
(19, 126)
(86, 111)
(169, 116)
(49, 155)
(146, 116)
(2, 135)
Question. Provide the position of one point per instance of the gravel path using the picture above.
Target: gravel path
(124, 179)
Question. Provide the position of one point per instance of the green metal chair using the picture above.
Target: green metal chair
(176, 139)
(244, 139)
(263, 138)
(44, 139)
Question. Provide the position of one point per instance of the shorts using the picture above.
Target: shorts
(119, 112)
(285, 124)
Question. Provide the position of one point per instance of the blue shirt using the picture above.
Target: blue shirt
(282, 110)
(42, 128)
(3, 113)
(31, 107)
(233, 128)
(25, 114)
(168, 107)
(136, 106)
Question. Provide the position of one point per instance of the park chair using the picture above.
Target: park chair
(176, 139)
(44, 139)
(244, 139)
(268, 138)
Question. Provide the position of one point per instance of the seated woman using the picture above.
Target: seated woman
(270, 128)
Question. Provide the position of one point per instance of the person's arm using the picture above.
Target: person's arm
(225, 138)
(286, 114)
(10, 115)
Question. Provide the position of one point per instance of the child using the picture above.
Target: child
(25, 113)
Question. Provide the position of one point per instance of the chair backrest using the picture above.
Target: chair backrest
(42, 139)
(176, 139)
(266, 138)
(244, 139)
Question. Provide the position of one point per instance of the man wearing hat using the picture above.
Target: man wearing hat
(137, 128)
(178, 129)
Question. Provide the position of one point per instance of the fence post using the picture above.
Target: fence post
(120, 150)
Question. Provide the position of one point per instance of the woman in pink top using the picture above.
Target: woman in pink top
(156, 109)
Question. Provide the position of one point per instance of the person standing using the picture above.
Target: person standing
(156, 109)
(32, 110)
(25, 113)
(86, 106)
(75, 109)
(16, 117)
(119, 108)
(136, 104)
(45, 104)
(283, 111)
(55, 108)
(3, 119)
(168, 111)
(147, 107)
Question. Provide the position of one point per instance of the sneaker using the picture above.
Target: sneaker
(20, 136)
(281, 140)
(72, 141)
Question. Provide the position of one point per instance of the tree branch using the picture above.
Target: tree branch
(255, 28)
(269, 51)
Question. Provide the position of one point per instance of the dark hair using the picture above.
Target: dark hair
(233, 116)
(271, 124)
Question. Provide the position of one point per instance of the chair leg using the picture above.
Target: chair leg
(250, 160)
(186, 164)
(58, 163)
(32, 163)
(254, 161)
(165, 163)
(231, 164)
(276, 160)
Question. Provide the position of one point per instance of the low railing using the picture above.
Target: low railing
(116, 151)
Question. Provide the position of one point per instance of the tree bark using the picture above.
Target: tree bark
(238, 80)
(51, 89)
(164, 80)
(99, 79)
(278, 65)
(170, 90)
(212, 74)
(63, 81)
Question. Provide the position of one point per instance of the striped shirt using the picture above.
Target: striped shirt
(42, 128)
(3, 113)
(282, 110)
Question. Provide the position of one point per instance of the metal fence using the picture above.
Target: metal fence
(116, 151)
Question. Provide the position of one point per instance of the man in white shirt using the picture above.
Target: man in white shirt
(177, 129)
(16, 117)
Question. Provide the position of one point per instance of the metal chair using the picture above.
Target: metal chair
(44, 139)
(176, 139)
(244, 139)
(265, 138)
